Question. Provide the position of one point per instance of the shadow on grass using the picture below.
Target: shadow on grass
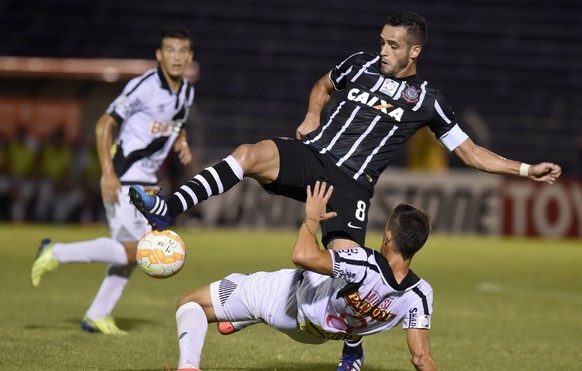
(288, 367)
(124, 323)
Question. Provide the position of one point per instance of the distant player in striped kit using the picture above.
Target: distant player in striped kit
(150, 113)
(338, 295)
(383, 102)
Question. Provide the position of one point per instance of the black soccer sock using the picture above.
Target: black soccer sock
(352, 347)
(211, 181)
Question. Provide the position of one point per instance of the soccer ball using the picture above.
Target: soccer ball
(161, 254)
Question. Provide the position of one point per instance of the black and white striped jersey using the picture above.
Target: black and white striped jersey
(362, 298)
(151, 115)
(376, 114)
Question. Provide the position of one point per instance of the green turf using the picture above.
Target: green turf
(500, 304)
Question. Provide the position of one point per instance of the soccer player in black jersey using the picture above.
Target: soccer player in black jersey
(383, 102)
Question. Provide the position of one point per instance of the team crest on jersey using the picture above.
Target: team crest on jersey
(411, 94)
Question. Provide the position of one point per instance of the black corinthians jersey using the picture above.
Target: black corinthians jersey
(376, 114)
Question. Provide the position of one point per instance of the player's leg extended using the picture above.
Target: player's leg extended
(194, 312)
(128, 226)
(259, 161)
(52, 254)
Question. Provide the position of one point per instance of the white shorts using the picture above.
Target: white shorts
(125, 222)
(266, 296)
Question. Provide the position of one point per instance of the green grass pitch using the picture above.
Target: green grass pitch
(500, 304)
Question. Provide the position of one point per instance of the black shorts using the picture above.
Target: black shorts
(300, 166)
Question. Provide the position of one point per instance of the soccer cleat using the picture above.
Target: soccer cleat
(105, 326)
(352, 362)
(45, 262)
(153, 207)
(226, 328)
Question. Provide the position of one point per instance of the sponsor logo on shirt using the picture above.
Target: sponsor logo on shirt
(162, 129)
(367, 307)
(375, 102)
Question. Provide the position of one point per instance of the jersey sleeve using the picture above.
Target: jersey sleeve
(350, 264)
(444, 124)
(419, 314)
(338, 73)
(128, 102)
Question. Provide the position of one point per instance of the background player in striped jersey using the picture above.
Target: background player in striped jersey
(150, 112)
(339, 294)
(382, 102)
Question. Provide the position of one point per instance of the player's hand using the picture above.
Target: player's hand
(307, 126)
(545, 172)
(183, 149)
(317, 201)
(110, 187)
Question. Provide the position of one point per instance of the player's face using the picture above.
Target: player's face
(398, 56)
(174, 57)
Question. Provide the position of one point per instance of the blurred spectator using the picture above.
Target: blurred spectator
(56, 196)
(87, 176)
(23, 154)
(4, 180)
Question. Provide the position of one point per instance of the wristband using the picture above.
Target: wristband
(524, 169)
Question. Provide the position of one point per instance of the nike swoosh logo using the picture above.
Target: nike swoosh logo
(371, 73)
(353, 226)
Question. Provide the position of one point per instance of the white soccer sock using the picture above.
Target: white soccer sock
(101, 250)
(107, 296)
(192, 326)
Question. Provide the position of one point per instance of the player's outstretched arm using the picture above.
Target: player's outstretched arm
(320, 95)
(482, 159)
(419, 346)
(306, 253)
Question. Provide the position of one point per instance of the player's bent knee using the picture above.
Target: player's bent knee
(193, 296)
(252, 157)
(183, 300)
(259, 161)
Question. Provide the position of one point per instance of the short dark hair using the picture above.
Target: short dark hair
(415, 26)
(410, 228)
(176, 33)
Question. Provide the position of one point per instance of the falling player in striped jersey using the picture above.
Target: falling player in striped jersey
(382, 103)
(336, 295)
(150, 113)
